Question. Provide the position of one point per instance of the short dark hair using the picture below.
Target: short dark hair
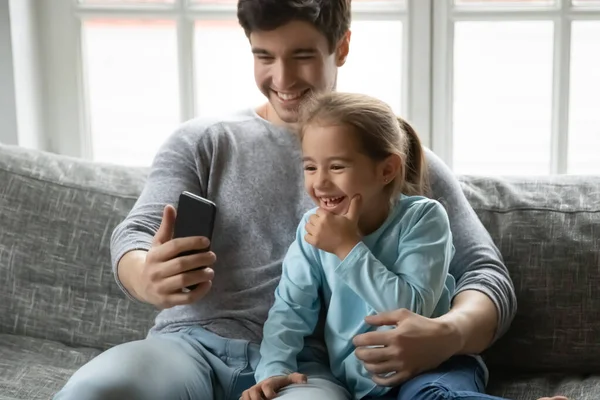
(330, 17)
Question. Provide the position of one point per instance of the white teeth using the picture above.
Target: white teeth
(331, 201)
(289, 96)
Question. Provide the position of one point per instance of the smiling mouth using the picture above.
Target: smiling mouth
(331, 202)
(290, 96)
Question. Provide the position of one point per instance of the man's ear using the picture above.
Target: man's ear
(342, 49)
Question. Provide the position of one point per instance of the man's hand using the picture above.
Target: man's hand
(268, 388)
(163, 275)
(415, 345)
(336, 234)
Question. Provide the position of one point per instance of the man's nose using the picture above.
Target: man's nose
(284, 74)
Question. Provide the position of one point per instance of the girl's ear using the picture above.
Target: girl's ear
(391, 167)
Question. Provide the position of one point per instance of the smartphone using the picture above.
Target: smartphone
(195, 217)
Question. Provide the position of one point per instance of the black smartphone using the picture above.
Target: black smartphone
(195, 217)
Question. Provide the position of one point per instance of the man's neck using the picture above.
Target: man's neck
(267, 113)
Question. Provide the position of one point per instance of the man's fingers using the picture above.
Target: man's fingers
(188, 263)
(375, 355)
(165, 230)
(387, 318)
(174, 284)
(383, 367)
(391, 380)
(171, 249)
(376, 338)
(181, 298)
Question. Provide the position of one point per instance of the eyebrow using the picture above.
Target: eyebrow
(263, 52)
(342, 159)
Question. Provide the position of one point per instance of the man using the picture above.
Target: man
(205, 342)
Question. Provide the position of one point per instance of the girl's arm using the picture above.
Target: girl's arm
(416, 280)
(295, 311)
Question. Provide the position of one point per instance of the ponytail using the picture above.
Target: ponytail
(416, 181)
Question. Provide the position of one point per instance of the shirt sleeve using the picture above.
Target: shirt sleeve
(180, 164)
(477, 263)
(417, 279)
(295, 311)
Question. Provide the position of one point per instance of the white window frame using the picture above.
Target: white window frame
(68, 119)
(562, 14)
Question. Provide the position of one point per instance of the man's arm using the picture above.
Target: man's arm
(177, 166)
(477, 266)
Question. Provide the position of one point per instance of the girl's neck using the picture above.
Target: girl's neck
(370, 222)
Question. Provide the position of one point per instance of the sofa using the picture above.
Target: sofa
(60, 305)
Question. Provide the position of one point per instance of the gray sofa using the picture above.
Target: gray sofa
(59, 305)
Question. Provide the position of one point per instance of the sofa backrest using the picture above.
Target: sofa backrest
(56, 218)
(548, 231)
(57, 215)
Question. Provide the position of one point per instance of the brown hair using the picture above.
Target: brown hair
(379, 131)
(330, 17)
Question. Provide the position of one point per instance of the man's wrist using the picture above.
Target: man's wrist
(450, 330)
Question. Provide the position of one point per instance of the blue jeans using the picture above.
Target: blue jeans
(189, 364)
(459, 378)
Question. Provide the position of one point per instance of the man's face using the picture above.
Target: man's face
(292, 61)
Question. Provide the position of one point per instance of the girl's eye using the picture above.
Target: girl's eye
(337, 167)
(309, 168)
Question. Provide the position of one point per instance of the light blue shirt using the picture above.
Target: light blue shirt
(403, 264)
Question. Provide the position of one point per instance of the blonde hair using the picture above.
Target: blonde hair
(379, 131)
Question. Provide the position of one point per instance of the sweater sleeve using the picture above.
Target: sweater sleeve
(180, 164)
(295, 311)
(477, 263)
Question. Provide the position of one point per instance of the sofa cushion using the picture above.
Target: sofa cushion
(548, 230)
(57, 217)
(35, 368)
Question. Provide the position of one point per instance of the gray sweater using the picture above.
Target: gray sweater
(252, 170)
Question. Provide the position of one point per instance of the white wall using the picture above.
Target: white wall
(8, 110)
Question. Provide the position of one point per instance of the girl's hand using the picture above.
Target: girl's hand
(268, 388)
(336, 234)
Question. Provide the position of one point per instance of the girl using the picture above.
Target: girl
(373, 244)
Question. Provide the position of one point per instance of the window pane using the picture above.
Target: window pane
(235, 1)
(502, 97)
(133, 87)
(225, 79)
(122, 2)
(374, 64)
(586, 3)
(584, 120)
(496, 3)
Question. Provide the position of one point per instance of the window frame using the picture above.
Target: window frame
(562, 14)
(61, 23)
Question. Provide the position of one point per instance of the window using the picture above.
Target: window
(492, 86)
(148, 65)
(515, 86)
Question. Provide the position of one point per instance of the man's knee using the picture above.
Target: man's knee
(147, 369)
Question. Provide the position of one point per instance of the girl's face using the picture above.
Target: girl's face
(335, 169)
